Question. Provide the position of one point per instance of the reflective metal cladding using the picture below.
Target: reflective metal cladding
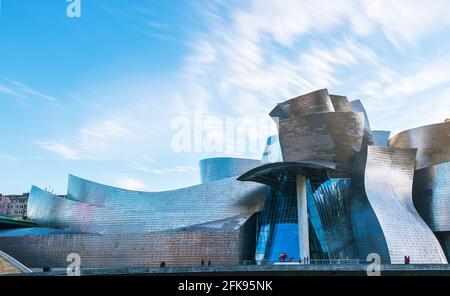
(213, 169)
(383, 216)
(113, 227)
(318, 126)
(432, 195)
(96, 208)
(432, 143)
(326, 187)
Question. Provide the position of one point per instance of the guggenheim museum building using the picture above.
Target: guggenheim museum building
(327, 187)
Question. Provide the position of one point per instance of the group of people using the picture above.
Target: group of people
(284, 256)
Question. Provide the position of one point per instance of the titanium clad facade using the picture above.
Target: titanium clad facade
(341, 103)
(311, 103)
(213, 169)
(357, 106)
(104, 209)
(357, 194)
(382, 194)
(334, 137)
(432, 143)
(431, 195)
(130, 250)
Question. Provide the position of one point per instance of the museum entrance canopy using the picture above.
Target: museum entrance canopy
(272, 174)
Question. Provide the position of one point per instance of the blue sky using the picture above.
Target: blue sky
(98, 96)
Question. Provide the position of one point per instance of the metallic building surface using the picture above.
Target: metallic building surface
(322, 127)
(333, 136)
(273, 174)
(381, 138)
(357, 106)
(95, 208)
(382, 192)
(311, 103)
(111, 227)
(431, 195)
(213, 169)
(341, 103)
(129, 249)
(432, 143)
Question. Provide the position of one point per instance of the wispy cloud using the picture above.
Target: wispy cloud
(22, 91)
(130, 183)
(255, 54)
(100, 139)
(163, 171)
(60, 149)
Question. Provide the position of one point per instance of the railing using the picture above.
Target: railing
(308, 262)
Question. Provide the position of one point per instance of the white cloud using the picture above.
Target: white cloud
(130, 183)
(100, 139)
(406, 21)
(60, 149)
(23, 91)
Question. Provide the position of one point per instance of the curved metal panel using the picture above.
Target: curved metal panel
(334, 137)
(311, 103)
(272, 174)
(341, 103)
(357, 106)
(432, 143)
(385, 189)
(431, 195)
(97, 208)
(213, 169)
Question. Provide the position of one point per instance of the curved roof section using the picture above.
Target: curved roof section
(334, 137)
(431, 195)
(383, 184)
(341, 103)
(213, 169)
(96, 208)
(314, 102)
(271, 174)
(432, 143)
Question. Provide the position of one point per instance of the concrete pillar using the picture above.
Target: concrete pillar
(302, 208)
